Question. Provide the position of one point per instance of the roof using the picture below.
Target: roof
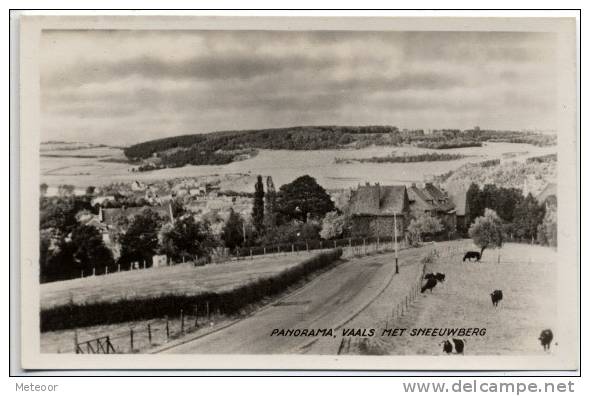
(430, 198)
(417, 197)
(378, 200)
(109, 215)
(549, 190)
(439, 198)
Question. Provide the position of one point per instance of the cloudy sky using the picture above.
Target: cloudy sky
(122, 87)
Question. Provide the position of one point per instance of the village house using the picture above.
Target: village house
(107, 222)
(374, 209)
(433, 201)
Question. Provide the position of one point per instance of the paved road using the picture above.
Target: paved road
(325, 302)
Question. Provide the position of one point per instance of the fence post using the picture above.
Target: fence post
(143, 264)
(76, 341)
(306, 246)
(150, 333)
(106, 270)
(131, 339)
(264, 250)
(292, 248)
(196, 316)
(167, 329)
(334, 244)
(207, 311)
(251, 258)
(320, 245)
(93, 271)
(181, 322)
(118, 267)
(82, 274)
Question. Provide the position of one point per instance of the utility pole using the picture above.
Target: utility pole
(395, 241)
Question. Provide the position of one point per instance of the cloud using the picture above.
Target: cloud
(131, 85)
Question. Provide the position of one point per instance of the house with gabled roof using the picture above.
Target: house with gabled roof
(372, 209)
(433, 201)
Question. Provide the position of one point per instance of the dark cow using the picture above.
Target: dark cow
(459, 345)
(439, 277)
(430, 275)
(472, 255)
(546, 337)
(496, 297)
(447, 347)
(429, 285)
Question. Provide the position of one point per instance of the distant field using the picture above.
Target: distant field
(182, 279)
(526, 275)
(283, 165)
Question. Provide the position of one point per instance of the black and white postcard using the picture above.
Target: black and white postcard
(392, 193)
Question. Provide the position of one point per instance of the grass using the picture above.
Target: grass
(182, 279)
(222, 301)
(526, 275)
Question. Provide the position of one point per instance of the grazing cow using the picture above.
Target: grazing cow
(447, 347)
(430, 283)
(459, 345)
(471, 254)
(546, 337)
(430, 275)
(439, 277)
(496, 297)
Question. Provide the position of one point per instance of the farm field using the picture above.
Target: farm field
(526, 275)
(181, 279)
(283, 165)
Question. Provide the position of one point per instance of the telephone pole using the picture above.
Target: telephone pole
(395, 241)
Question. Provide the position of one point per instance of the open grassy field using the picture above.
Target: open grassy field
(182, 279)
(526, 275)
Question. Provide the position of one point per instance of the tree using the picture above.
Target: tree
(90, 190)
(65, 190)
(258, 207)
(270, 205)
(186, 238)
(423, 225)
(233, 230)
(88, 248)
(528, 214)
(303, 198)
(474, 206)
(177, 207)
(334, 225)
(487, 231)
(140, 242)
(43, 189)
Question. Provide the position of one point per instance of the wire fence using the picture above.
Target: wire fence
(403, 306)
(142, 336)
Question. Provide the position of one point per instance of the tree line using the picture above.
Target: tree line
(522, 217)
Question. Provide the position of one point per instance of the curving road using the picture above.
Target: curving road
(326, 302)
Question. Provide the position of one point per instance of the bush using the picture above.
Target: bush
(227, 302)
